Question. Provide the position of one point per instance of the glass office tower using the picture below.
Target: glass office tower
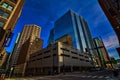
(74, 25)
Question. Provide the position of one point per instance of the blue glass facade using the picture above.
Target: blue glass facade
(74, 25)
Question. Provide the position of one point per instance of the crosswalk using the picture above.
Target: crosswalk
(90, 76)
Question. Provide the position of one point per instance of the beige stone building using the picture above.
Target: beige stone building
(57, 58)
(28, 31)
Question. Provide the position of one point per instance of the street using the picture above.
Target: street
(99, 75)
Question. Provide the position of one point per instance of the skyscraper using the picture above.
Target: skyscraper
(75, 26)
(102, 52)
(10, 11)
(29, 47)
(112, 10)
(28, 31)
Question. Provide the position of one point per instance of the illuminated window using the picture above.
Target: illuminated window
(1, 24)
(10, 8)
(4, 5)
(7, 6)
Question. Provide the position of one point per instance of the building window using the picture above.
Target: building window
(86, 56)
(1, 24)
(73, 52)
(87, 60)
(64, 49)
(118, 19)
(47, 57)
(46, 51)
(108, 5)
(116, 3)
(7, 6)
(4, 14)
(74, 57)
(10, 8)
(1, 12)
(4, 5)
(65, 55)
(80, 55)
(39, 58)
(82, 60)
(112, 12)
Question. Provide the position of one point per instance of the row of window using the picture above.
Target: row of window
(116, 4)
(1, 24)
(44, 53)
(44, 57)
(75, 53)
(5, 14)
(111, 10)
(50, 56)
(7, 6)
(73, 57)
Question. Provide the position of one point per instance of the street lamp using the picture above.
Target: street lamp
(63, 64)
(52, 57)
(10, 72)
(53, 62)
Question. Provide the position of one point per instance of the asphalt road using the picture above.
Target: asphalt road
(100, 75)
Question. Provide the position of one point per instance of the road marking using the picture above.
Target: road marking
(83, 76)
(94, 76)
(107, 77)
(101, 77)
(89, 76)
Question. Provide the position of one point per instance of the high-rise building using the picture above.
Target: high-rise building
(75, 26)
(102, 52)
(51, 37)
(29, 47)
(10, 11)
(112, 10)
(28, 31)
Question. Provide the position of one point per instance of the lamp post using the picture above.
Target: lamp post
(53, 62)
(10, 72)
(63, 64)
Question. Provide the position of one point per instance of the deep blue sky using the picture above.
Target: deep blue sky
(45, 12)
